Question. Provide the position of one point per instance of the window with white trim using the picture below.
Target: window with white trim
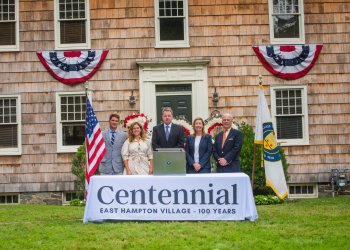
(70, 119)
(9, 25)
(10, 125)
(302, 191)
(171, 18)
(289, 113)
(72, 24)
(286, 21)
(9, 199)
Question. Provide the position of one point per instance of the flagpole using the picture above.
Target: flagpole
(86, 86)
(253, 167)
(254, 147)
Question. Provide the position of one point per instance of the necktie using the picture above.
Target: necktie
(112, 138)
(167, 133)
(224, 136)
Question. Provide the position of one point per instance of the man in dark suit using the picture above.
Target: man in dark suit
(227, 147)
(167, 135)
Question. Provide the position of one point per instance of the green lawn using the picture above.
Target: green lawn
(304, 224)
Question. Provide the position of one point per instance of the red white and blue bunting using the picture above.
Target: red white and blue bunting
(72, 67)
(288, 61)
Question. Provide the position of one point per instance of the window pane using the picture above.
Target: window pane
(292, 110)
(73, 32)
(285, 93)
(8, 33)
(64, 108)
(61, 8)
(171, 29)
(9, 199)
(286, 26)
(279, 111)
(291, 190)
(298, 101)
(278, 102)
(297, 189)
(292, 102)
(73, 134)
(15, 199)
(70, 99)
(63, 100)
(167, 4)
(304, 190)
(77, 108)
(77, 99)
(289, 127)
(8, 136)
(70, 108)
(310, 190)
(77, 116)
(278, 94)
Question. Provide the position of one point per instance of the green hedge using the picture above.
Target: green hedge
(267, 200)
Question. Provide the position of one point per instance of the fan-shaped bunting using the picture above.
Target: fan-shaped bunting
(72, 67)
(288, 61)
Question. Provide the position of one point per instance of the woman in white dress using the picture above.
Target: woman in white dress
(137, 152)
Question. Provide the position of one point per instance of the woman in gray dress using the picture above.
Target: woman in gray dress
(137, 152)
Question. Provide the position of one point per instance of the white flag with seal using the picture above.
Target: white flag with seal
(265, 134)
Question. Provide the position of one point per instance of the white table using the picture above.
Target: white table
(190, 197)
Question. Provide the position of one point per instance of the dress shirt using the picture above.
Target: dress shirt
(197, 140)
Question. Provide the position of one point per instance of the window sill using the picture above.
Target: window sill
(67, 149)
(174, 46)
(287, 41)
(12, 152)
(72, 47)
(9, 49)
(293, 143)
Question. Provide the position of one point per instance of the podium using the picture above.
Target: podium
(169, 161)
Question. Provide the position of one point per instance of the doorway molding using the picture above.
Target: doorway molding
(194, 72)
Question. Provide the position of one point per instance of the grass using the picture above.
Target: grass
(304, 224)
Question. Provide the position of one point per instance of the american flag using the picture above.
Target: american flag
(94, 142)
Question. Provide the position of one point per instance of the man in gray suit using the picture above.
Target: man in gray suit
(112, 162)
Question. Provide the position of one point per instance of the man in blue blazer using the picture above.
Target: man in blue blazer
(167, 135)
(227, 147)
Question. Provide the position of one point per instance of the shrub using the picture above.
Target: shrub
(246, 158)
(77, 202)
(78, 168)
(267, 200)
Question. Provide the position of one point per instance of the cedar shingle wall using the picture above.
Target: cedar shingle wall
(223, 30)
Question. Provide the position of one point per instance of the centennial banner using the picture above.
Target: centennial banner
(190, 197)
